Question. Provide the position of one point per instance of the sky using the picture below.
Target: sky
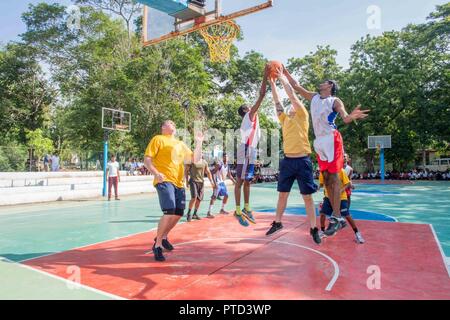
(292, 28)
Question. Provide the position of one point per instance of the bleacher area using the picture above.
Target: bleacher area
(34, 187)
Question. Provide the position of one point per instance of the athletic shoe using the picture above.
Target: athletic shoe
(189, 217)
(241, 219)
(276, 226)
(249, 216)
(333, 227)
(117, 199)
(343, 224)
(224, 212)
(359, 238)
(315, 235)
(195, 217)
(166, 245)
(210, 216)
(322, 234)
(158, 254)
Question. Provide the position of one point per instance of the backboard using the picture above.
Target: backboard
(166, 19)
(116, 120)
(380, 142)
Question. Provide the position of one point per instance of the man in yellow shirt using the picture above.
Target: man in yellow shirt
(164, 158)
(326, 210)
(296, 165)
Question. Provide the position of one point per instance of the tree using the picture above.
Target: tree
(40, 144)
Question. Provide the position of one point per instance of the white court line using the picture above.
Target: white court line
(334, 263)
(440, 249)
(66, 281)
(88, 245)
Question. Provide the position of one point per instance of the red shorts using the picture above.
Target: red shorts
(330, 152)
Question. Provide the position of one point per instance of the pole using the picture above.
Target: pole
(105, 161)
(382, 164)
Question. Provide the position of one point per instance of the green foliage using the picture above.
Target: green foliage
(13, 157)
(401, 76)
(41, 145)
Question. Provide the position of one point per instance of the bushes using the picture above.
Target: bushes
(13, 157)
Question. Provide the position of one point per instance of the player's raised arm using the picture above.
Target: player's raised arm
(308, 95)
(276, 98)
(262, 94)
(296, 103)
(356, 114)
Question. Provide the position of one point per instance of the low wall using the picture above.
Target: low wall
(35, 187)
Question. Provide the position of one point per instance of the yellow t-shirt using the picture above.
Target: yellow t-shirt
(295, 133)
(343, 178)
(168, 155)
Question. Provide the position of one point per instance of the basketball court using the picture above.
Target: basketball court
(95, 249)
(105, 247)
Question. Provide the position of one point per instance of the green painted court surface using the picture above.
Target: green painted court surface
(42, 229)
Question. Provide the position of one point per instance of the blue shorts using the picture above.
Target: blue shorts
(328, 210)
(249, 171)
(221, 191)
(299, 169)
(171, 199)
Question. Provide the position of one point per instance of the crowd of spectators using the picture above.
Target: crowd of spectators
(135, 167)
(416, 174)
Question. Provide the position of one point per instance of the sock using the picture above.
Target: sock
(322, 228)
(247, 207)
(195, 212)
(189, 211)
(238, 210)
(356, 230)
(223, 206)
(210, 208)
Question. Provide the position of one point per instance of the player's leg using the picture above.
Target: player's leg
(212, 201)
(167, 201)
(247, 212)
(180, 203)
(224, 203)
(325, 211)
(346, 213)
(237, 194)
(223, 192)
(286, 180)
(307, 186)
(193, 190)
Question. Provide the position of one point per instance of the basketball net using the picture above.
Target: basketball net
(219, 38)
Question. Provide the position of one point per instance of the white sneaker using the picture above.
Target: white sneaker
(359, 238)
(322, 234)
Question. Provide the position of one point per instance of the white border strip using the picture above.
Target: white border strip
(86, 246)
(333, 262)
(444, 257)
(66, 281)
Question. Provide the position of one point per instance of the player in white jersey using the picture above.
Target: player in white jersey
(325, 107)
(247, 154)
(220, 173)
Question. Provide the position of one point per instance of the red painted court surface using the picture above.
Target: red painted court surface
(219, 259)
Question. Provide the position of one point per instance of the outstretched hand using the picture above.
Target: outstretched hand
(358, 114)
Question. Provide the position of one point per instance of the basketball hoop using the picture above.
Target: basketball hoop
(219, 38)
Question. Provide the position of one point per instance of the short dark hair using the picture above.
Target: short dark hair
(335, 87)
(241, 110)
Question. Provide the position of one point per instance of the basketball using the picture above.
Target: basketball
(274, 67)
